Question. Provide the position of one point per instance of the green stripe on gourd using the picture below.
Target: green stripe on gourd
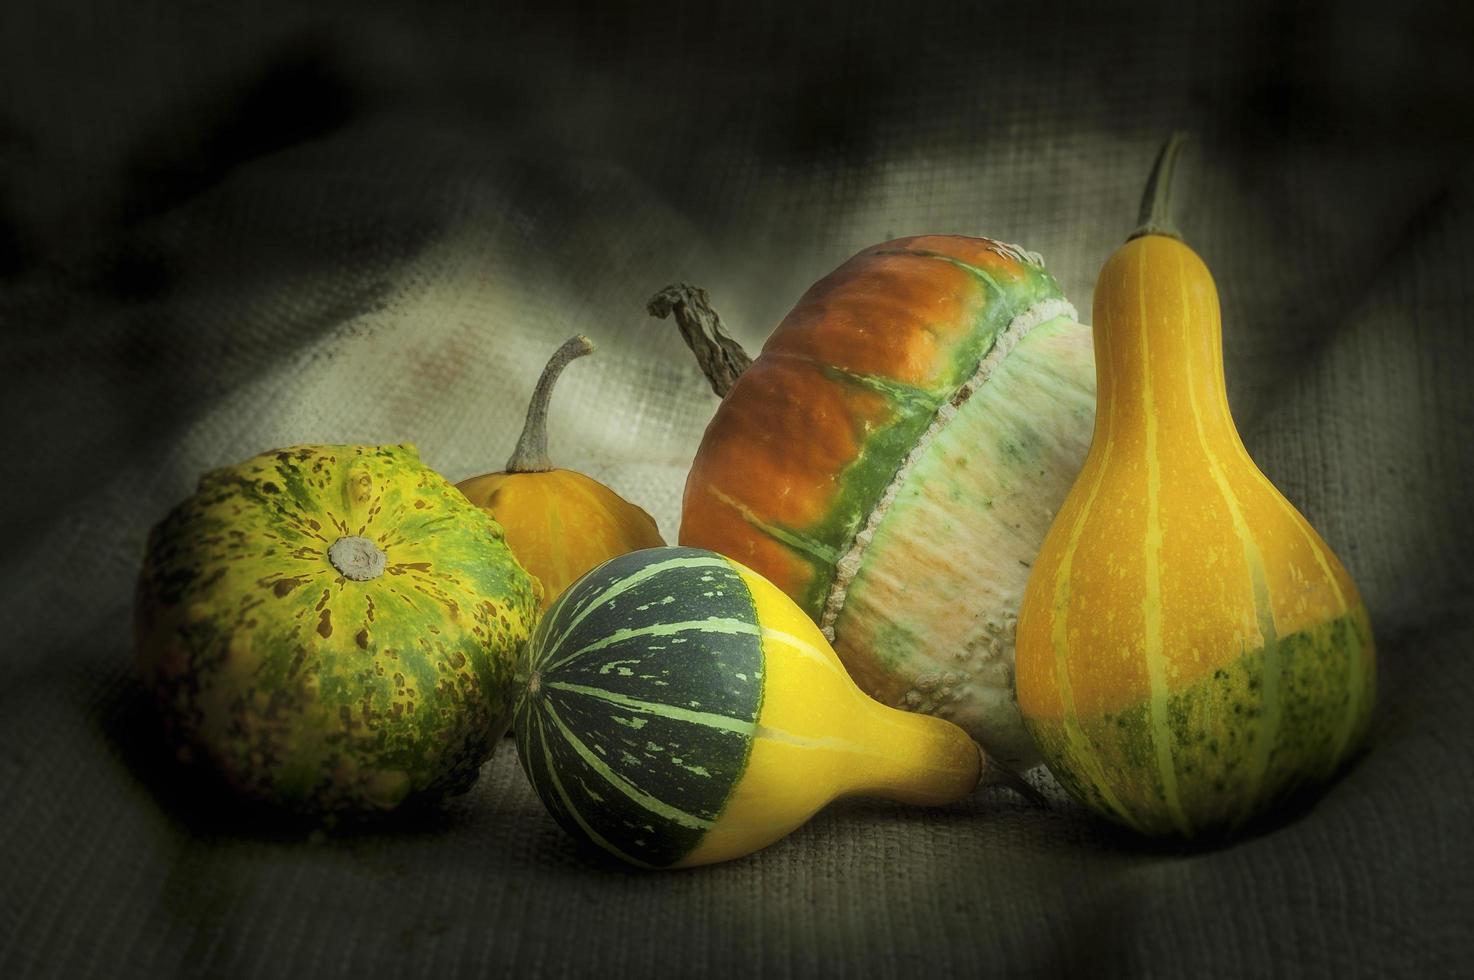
(1220, 725)
(635, 721)
(677, 709)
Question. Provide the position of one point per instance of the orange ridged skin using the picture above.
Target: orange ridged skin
(802, 447)
(885, 313)
(743, 484)
(560, 523)
(898, 448)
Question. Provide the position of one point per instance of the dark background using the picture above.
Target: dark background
(226, 227)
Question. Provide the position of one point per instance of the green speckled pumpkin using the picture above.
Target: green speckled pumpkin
(332, 628)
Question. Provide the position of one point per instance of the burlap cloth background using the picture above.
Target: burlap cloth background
(224, 230)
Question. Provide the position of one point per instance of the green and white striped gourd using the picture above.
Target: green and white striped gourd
(676, 709)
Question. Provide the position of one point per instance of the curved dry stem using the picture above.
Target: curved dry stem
(531, 454)
(721, 358)
(1155, 217)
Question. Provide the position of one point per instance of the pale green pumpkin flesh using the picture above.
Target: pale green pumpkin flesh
(927, 621)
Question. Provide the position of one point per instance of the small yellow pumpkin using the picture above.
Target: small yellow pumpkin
(559, 523)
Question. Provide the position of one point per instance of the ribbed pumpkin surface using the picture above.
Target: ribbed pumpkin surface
(892, 461)
(560, 523)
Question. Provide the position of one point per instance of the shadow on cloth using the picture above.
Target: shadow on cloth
(1064, 822)
(197, 802)
(200, 803)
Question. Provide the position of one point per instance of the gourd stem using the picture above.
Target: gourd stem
(1155, 217)
(531, 454)
(994, 773)
(357, 558)
(722, 359)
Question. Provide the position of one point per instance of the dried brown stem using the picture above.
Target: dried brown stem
(721, 358)
(531, 454)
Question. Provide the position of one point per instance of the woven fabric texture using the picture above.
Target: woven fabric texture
(228, 228)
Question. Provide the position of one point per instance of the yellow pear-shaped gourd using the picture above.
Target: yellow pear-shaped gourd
(676, 709)
(1189, 649)
(559, 523)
